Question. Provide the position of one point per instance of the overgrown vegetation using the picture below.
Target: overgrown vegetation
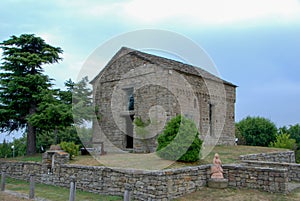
(180, 141)
(283, 140)
(259, 131)
(6, 150)
(71, 148)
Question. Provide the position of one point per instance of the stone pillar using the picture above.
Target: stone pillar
(32, 186)
(3, 175)
(72, 188)
(127, 193)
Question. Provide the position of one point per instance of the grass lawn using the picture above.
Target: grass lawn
(208, 194)
(55, 193)
(34, 158)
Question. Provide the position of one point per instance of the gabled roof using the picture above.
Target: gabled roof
(164, 62)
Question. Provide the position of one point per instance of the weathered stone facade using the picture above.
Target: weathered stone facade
(158, 89)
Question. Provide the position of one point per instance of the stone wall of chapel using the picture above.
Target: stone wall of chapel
(174, 93)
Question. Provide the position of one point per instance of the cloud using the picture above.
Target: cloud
(211, 12)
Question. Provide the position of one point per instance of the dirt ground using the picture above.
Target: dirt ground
(7, 197)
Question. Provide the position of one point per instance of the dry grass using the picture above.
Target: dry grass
(7, 197)
(230, 194)
(228, 154)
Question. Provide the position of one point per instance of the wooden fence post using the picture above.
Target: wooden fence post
(72, 188)
(32, 186)
(127, 193)
(3, 175)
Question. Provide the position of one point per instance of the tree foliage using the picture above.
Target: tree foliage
(294, 132)
(83, 109)
(22, 82)
(283, 140)
(54, 113)
(180, 141)
(257, 131)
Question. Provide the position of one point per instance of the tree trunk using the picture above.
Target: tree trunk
(31, 134)
(31, 139)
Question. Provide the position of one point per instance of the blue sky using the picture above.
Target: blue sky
(254, 44)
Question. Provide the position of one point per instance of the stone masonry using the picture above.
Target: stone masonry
(160, 184)
(161, 89)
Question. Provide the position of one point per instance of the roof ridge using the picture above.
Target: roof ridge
(160, 60)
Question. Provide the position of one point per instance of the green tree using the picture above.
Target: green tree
(283, 140)
(22, 82)
(257, 131)
(180, 141)
(83, 109)
(54, 113)
(294, 131)
(54, 116)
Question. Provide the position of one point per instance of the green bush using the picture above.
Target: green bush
(257, 131)
(71, 148)
(283, 140)
(180, 141)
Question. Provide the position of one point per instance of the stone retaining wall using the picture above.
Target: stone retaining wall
(281, 157)
(263, 178)
(293, 168)
(147, 185)
(163, 184)
(150, 185)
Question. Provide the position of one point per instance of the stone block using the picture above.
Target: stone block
(218, 183)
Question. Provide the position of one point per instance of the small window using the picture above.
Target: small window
(129, 99)
(211, 119)
(195, 103)
(131, 103)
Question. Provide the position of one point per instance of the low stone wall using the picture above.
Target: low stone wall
(146, 185)
(21, 170)
(163, 184)
(281, 157)
(263, 178)
(293, 168)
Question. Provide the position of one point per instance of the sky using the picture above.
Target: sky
(254, 44)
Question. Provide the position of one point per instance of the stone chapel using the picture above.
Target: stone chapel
(138, 85)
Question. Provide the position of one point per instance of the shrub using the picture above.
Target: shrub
(180, 141)
(257, 131)
(70, 148)
(283, 140)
